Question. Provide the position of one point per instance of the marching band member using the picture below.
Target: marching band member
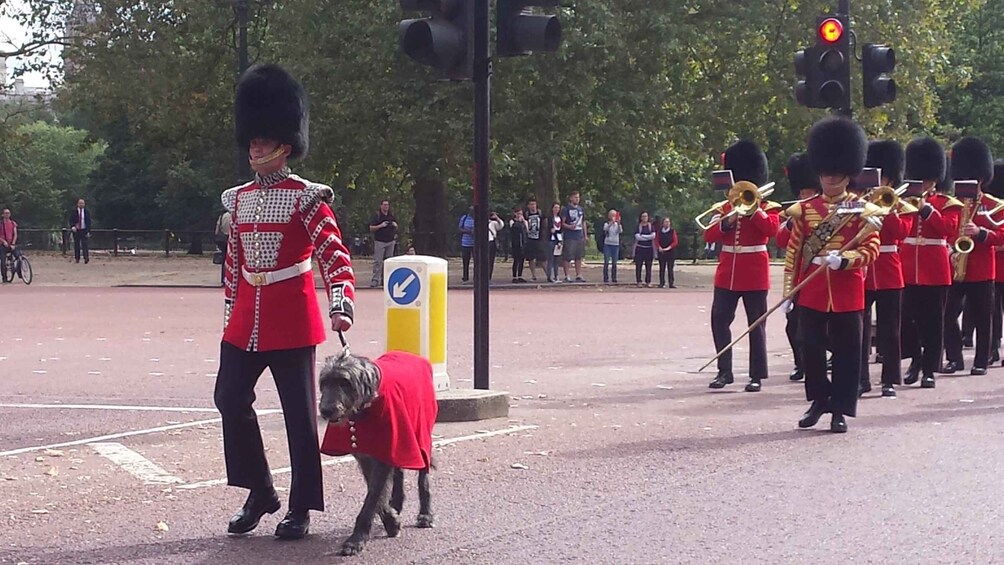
(804, 184)
(973, 271)
(996, 189)
(884, 278)
(927, 272)
(280, 223)
(832, 303)
(743, 264)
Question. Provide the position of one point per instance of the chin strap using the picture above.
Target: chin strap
(268, 158)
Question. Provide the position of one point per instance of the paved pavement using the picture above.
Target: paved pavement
(614, 452)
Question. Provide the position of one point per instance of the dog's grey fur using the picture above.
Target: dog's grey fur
(349, 383)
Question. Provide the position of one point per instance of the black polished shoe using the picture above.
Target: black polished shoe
(927, 381)
(753, 386)
(995, 356)
(723, 378)
(813, 414)
(888, 391)
(295, 525)
(864, 387)
(838, 424)
(952, 367)
(256, 506)
(912, 373)
(978, 371)
(796, 375)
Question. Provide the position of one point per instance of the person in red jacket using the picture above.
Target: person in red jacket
(804, 184)
(996, 189)
(280, 224)
(742, 265)
(973, 273)
(884, 279)
(832, 302)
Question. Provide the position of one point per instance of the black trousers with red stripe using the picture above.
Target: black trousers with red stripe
(923, 325)
(841, 332)
(723, 313)
(888, 316)
(981, 296)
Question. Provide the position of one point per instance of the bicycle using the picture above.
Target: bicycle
(18, 264)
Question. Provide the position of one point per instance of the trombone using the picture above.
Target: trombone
(745, 198)
(890, 199)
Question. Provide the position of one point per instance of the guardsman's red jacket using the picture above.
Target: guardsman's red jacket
(841, 290)
(397, 427)
(280, 225)
(887, 271)
(981, 265)
(999, 275)
(924, 252)
(744, 261)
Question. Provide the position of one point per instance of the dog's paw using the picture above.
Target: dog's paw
(393, 526)
(352, 547)
(424, 521)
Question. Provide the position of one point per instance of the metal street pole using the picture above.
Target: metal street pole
(482, 134)
(844, 8)
(243, 166)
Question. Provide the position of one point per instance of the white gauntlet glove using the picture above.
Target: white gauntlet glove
(831, 260)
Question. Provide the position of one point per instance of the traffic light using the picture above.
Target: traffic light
(520, 33)
(877, 61)
(833, 58)
(444, 41)
(808, 82)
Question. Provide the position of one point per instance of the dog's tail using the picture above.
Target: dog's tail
(432, 462)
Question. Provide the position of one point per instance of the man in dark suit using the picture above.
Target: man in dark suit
(80, 224)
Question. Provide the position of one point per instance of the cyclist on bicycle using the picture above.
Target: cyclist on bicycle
(8, 244)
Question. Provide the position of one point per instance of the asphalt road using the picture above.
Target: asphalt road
(628, 457)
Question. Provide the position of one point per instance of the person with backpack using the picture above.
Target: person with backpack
(611, 246)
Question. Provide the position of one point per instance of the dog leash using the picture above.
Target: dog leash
(341, 338)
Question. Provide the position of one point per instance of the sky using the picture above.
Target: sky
(11, 31)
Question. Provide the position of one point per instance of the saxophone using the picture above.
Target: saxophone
(963, 244)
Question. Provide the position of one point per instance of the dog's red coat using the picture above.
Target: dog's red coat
(397, 428)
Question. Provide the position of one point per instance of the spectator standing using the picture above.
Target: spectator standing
(612, 230)
(221, 237)
(383, 226)
(537, 249)
(466, 226)
(554, 243)
(643, 249)
(80, 224)
(8, 243)
(518, 230)
(666, 244)
(495, 224)
(502, 242)
(574, 236)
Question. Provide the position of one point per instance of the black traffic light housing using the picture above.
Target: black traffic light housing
(808, 80)
(444, 41)
(833, 61)
(521, 33)
(877, 61)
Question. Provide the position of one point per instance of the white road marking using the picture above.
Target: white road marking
(128, 408)
(347, 458)
(135, 464)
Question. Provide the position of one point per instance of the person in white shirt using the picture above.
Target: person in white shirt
(495, 223)
(612, 230)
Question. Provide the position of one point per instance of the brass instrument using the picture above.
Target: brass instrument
(963, 244)
(745, 198)
(889, 198)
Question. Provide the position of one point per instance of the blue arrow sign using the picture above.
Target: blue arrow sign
(403, 286)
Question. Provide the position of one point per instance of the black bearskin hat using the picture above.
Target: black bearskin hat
(996, 186)
(800, 174)
(925, 159)
(746, 162)
(946, 183)
(889, 156)
(271, 104)
(971, 160)
(837, 146)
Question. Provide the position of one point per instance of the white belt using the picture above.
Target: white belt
(272, 277)
(888, 248)
(744, 248)
(925, 241)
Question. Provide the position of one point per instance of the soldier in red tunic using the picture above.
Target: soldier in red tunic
(281, 224)
(996, 189)
(927, 273)
(804, 184)
(884, 278)
(832, 303)
(742, 265)
(973, 273)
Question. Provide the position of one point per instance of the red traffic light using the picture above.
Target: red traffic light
(831, 30)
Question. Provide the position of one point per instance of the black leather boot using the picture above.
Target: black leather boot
(257, 505)
(723, 378)
(813, 414)
(295, 525)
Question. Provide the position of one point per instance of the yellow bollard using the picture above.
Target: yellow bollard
(415, 299)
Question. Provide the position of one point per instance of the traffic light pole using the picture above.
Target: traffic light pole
(844, 8)
(482, 133)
